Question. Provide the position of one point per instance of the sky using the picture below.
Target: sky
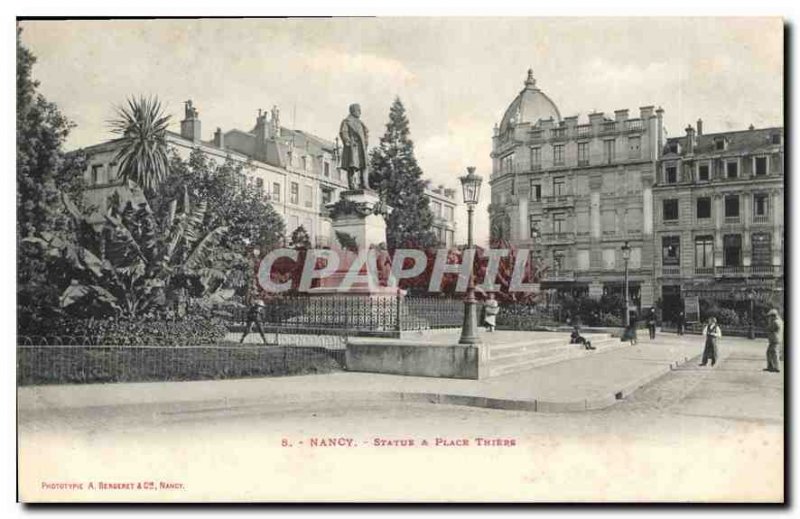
(455, 76)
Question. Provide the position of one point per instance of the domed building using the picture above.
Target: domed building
(575, 191)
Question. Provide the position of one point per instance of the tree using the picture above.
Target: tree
(44, 173)
(300, 239)
(143, 157)
(233, 201)
(394, 172)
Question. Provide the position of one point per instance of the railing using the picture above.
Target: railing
(558, 200)
(634, 125)
(730, 271)
(558, 237)
(761, 218)
(558, 275)
(766, 270)
(731, 219)
(559, 133)
(740, 271)
(583, 162)
(609, 127)
(704, 271)
(537, 135)
(671, 271)
(584, 130)
(351, 314)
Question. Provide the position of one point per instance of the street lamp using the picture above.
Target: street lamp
(471, 185)
(626, 256)
(751, 294)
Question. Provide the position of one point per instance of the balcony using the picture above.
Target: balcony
(558, 275)
(558, 201)
(583, 162)
(584, 131)
(671, 271)
(634, 125)
(537, 135)
(704, 271)
(609, 127)
(732, 219)
(740, 271)
(559, 133)
(761, 218)
(553, 238)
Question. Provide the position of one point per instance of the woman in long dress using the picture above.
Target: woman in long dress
(491, 309)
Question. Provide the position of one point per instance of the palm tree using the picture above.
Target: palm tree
(143, 157)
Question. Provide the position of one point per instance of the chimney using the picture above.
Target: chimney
(689, 140)
(275, 123)
(645, 112)
(699, 127)
(621, 115)
(219, 139)
(659, 132)
(596, 118)
(190, 125)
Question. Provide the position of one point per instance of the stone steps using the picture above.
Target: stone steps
(521, 356)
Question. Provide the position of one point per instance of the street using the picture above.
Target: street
(695, 434)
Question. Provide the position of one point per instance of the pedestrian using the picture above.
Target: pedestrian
(681, 323)
(712, 333)
(491, 308)
(651, 323)
(254, 317)
(630, 333)
(775, 338)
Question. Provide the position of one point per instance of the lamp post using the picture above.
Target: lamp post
(626, 256)
(751, 294)
(471, 185)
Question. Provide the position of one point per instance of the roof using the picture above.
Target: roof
(530, 106)
(742, 141)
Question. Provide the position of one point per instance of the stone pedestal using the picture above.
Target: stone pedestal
(362, 223)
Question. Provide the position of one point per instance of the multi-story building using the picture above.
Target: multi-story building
(442, 202)
(297, 171)
(719, 216)
(576, 191)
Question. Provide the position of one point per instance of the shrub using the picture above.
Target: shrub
(727, 316)
(610, 320)
(194, 330)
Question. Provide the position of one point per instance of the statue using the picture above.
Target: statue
(354, 137)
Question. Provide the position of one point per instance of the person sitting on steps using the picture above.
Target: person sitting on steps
(576, 338)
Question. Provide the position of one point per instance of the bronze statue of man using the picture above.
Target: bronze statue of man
(354, 137)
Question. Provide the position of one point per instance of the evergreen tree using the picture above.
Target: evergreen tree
(300, 239)
(394, 172)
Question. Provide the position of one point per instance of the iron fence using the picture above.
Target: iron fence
(84, 364)
(347, 314)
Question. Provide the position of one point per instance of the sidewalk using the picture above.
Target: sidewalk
(591, 382)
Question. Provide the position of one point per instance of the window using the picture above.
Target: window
(436, 209)
(507, 163)
(703, 172)
(294, 223)
(609, 258)
(260, 184)
(732, 168)
(760, 166)
(703, 208)
(303, 163)
(719, 143)
(327, 196)
(326, 168)
(583, 260)
(448, 213)
(513, 184)
(536, 191)
(536, 158)
(535, 227)
(670, 210)
(732, 206)
(609, 222)
(96, 171)
(671, 250)
(558, 155)
(760, 205)
(583, 154)
(294, 197)
(276, 192)
(775, 138)
(308, 195)
(762, 248)
(732, 250)
(704, 252)
(608, 150)
(559, 188)
(559, 223)
(671, 174)
(582, 223)
(634, 147)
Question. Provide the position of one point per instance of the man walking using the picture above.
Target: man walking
(712, 333)
(651, 323)
(254, 317)
(775, 338)
(681, 322)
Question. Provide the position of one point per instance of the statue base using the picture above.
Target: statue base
(366, 227)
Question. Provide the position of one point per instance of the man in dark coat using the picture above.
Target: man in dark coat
(712, 334)
(651, 323)
(775, 338)
(254, 317)
(354, 137)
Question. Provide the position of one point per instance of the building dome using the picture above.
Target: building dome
(529, 106)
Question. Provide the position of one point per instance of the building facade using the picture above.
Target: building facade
(576, 191)
(719, 216)
(442, 202)
(298, 172)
